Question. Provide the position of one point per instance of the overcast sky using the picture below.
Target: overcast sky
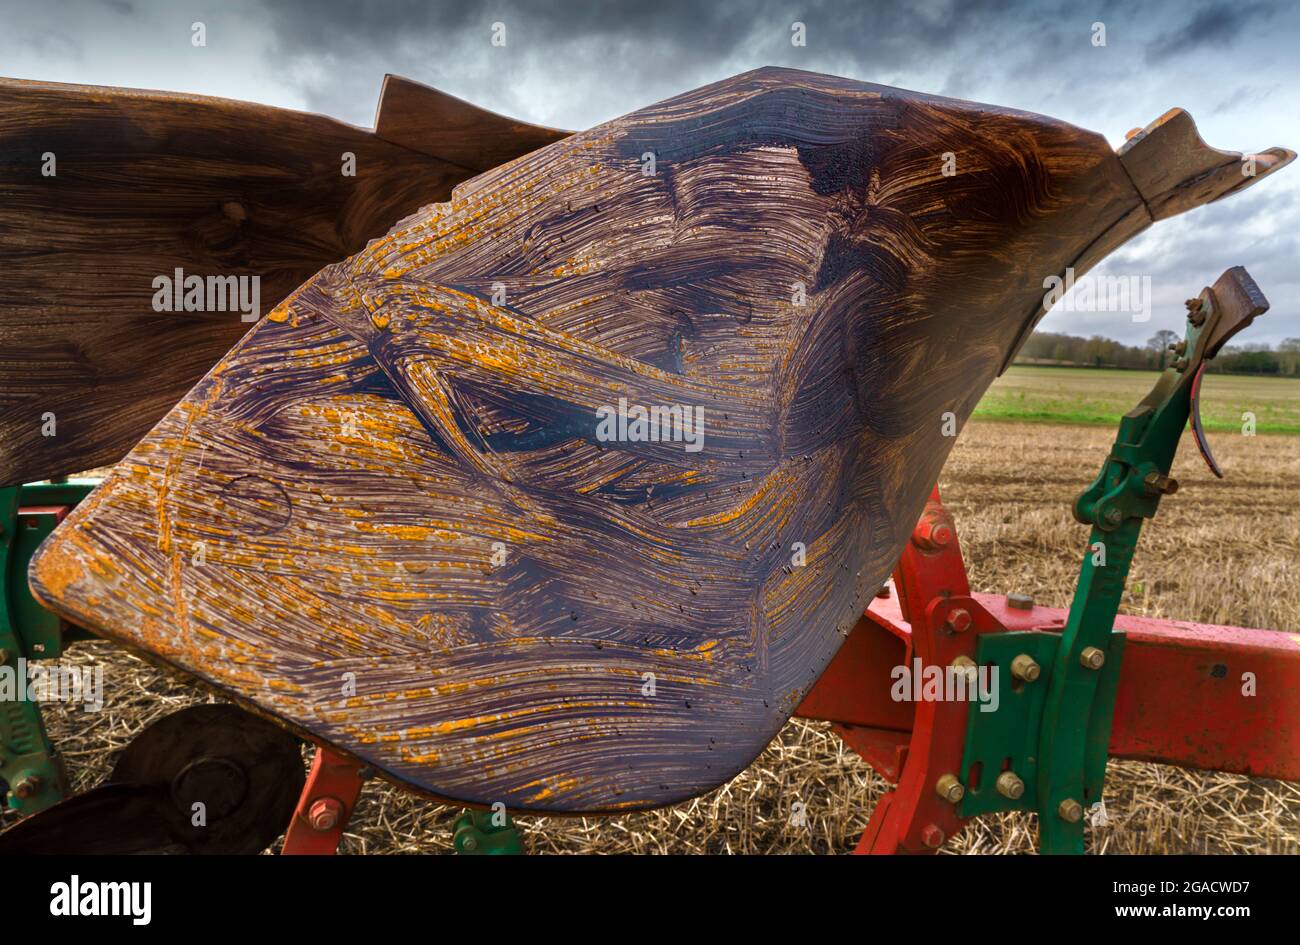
(1232, 65)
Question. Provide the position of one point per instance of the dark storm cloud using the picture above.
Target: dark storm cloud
(1218, 25)
(572, 65)
(644, 49)
(688, 29)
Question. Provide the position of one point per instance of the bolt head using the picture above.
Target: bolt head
(958, 620)
(1009, 785)
(28, 786)
(1157, 484)
(949, 788)
(1025, 667)
(325, 814)
(932, 836)
(933, 533)
(1070, 810)
(1092, 658)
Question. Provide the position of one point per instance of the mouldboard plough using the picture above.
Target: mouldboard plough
(1085, 685)
(1080, 686)
(314, 529)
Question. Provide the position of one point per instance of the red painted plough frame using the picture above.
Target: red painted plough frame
(1180, 698)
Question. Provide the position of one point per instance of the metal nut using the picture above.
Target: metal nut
(28, 785)
(932, 836)
(1025, 667)
(949, 788)
(966, 665)
(1158, 484)
(1092, 658)
(1071, 811)
(933, 533)
(1009, 785)
(958, 620)
(325, 814)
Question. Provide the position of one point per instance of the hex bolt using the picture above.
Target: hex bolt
(1092, 658)
(958, 620)
(1020, 601)
(932, 836)
(1181, 365)
(933, 534)
(1159, 484)
(1025, 667)
(1071, 811)
(883, 593)
(1114, 515)
(1009, 785)
(966, 665)
(949, 788)
(29, 785)
(325, 814)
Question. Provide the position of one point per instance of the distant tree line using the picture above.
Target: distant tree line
(1050, 348)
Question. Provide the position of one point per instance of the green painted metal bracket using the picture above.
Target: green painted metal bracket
(1128, 490)
(29, 765)
(1075, 725)
(476, 834)
(1005, 740)
(1046, 745)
